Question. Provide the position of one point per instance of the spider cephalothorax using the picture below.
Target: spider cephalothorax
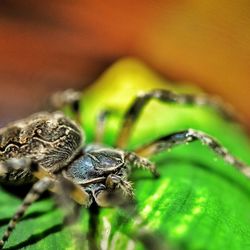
(101, 170)
(48, 149)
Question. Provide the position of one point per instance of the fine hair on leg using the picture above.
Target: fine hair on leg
(191, 135)
(35, 192)
(169, 97)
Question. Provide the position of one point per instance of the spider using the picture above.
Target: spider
(48, 150)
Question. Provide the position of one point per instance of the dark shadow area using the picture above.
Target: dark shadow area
(93, 226)
(33, 215)
(152, 240)
(20, 191)
(37, 237)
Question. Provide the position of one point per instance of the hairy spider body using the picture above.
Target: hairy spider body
(55, 144)
(48, 149)
(49, 139)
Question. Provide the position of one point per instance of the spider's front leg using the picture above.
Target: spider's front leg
(190, 135)
(170, 97)
(35, 192)
(135, 160)
(46, 181)
(38, 188)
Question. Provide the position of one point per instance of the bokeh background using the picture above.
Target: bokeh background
(50, 45)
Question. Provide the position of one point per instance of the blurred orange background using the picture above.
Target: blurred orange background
(50, 45)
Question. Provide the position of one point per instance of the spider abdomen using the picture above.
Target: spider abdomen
(49, 139)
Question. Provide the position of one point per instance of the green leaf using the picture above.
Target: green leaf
(199, 201)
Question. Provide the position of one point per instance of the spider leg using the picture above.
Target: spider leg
(190, 135)
(70, 197)
(26, 165)
(101, 121)
(135, 160)
(37, 189)
(23, 166)
(140, 232)
(16, 171)
(63, 197)
(167, 96)
(70, 97)
(67, 188)
(21, 171)
(100, 125)
(108, 195)
(114, 180)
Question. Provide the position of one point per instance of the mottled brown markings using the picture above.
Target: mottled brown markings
(47, 138)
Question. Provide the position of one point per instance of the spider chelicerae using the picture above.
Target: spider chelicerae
(48, 150)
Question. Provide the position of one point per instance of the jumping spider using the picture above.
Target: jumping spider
(48, 149)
